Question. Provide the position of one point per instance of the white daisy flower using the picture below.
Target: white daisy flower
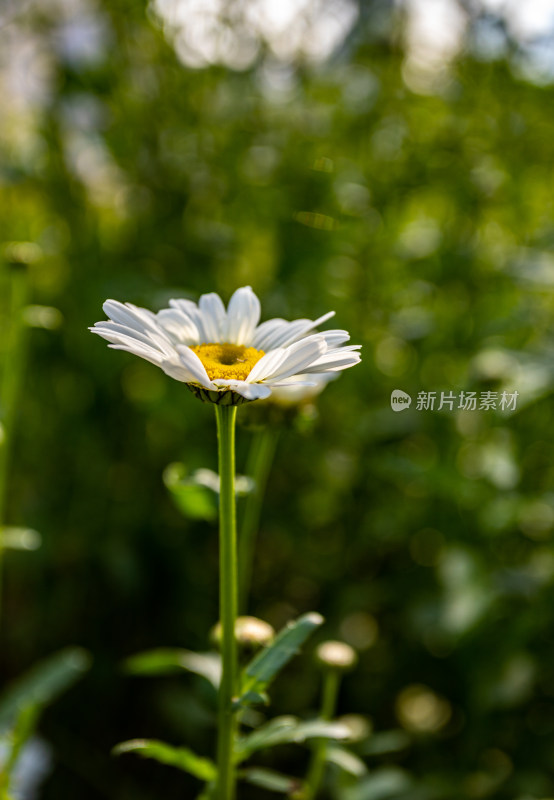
(225, 356)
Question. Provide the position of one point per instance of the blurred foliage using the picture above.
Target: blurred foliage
(423, 216)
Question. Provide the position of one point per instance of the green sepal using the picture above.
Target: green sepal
(223, 398)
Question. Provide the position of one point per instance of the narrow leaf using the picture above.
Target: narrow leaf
(386, 742)
(43, 683)
(251, 699)
(180, 757)
(270, 780)
(346, 760)
(165, 661)
(382, 784)
(268, 662)
(21, 731)
(288, 730)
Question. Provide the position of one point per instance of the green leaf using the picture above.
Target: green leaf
(197, 495)
(268, 662)
(180, 757)
(270, 780)
(388, 782)
(195, 500)
(251, 699)
(288, 730)
(21, 731)
(43, 683)
(12, 538)
(346, 760)
(166, 661)
(387, 742)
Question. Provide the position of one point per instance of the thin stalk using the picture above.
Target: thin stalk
(12, 371)
(258, 467)
(331, 683)
(228, 593)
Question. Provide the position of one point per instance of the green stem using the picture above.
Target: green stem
(226, 416)
(11, 375)
(316, 770)
(260, 459)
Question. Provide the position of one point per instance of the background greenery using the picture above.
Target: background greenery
(423, 216)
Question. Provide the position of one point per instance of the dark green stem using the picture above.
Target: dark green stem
(331, 683)
(226, 416)
(10, 380)
(260, 459)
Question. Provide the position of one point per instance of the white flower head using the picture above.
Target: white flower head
(224, 355)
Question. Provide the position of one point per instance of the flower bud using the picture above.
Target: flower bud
(336, 655)
(250, 633)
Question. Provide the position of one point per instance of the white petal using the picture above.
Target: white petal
(284, 334)
(335, 338)
(267, 365)
(192, 363)
(186, 306)
(335, 361)
(122, 341)
(164, 346)
(149, 355)
(139, 319)
(298, 357)
(251, 391)
(191, 310)
(243, 314)
(177, 371)
(288, 383)
(180, 327)
(108, 330)
(214, 317)
(266, 331)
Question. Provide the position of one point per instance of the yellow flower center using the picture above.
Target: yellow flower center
(232, 361)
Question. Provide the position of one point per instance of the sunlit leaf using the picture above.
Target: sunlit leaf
(386, 742)
(268, 662)
(166, 661)
(195, 500)
(20, 732)
(346, 760)
(180, 757)
(197, 494)
(252, 699)
(270, 780)
(288, 730)
(384, 783)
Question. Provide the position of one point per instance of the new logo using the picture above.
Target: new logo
(399, 400)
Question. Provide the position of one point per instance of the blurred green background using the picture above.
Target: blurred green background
(392, 162)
